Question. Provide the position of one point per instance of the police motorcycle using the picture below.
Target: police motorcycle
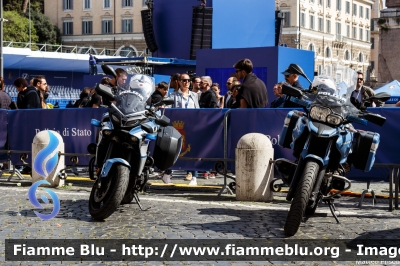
(122, 154)
(324, 143)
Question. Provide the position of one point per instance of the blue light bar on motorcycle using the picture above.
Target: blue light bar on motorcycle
(95, 122)
(151, 137)
(299, 102)
(357, 120)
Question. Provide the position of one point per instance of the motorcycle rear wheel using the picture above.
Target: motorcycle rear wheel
(105, 200)
(301, 197)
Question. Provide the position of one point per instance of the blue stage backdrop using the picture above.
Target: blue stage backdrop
(202, 130)
(243, 24)
(274, 59)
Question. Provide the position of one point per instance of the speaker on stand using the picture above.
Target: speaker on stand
(201, 29)
(148, 30)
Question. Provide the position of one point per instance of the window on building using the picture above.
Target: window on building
(361, 11)
(107, 4)
(361, 34)
(127, 26)
(320, 24)
(372, 25)
(360, 57)
(367, 36)
(127, 3)
(354, 33)
(68, 4)
(367, 13)
(328, 52)
(328, 26)
(312, 22)
(286, 19)
(347, 55)
(338, 28)
(68, 28)
(321, 2)
(106, 27)
(348, 31)
(311, 47)
(319, 69)
(338, 5)
(87, 4)
(87, 27)
(328, 3)
(372, 43)
(354, 9)
(303, 20)
(347, 7)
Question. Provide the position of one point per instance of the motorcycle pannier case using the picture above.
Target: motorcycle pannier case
(365, 145)
(168, 147)
(287, 130)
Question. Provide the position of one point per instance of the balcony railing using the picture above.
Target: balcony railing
(340, 38)
(72, 49)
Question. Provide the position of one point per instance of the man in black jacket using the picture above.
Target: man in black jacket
(159, 93)
(28, 97)
(208, 99)
(253, 92)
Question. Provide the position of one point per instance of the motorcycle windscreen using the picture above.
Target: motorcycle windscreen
(129, 102)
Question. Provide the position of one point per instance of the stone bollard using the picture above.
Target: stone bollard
(46, 162)
(253, 171)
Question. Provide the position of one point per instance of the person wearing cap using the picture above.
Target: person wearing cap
(292, 78)
(253, 92)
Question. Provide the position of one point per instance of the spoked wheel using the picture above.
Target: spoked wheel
(107, 193)
(301, 197)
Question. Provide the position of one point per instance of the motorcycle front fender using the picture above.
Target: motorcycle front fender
(109, 163)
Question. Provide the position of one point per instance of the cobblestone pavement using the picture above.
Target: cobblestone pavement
(189, 214)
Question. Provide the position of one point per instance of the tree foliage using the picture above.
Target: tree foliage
(16, 29)
(45, 30)
(18, 5)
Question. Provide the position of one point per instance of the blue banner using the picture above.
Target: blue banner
(202, 130)
(72, 124)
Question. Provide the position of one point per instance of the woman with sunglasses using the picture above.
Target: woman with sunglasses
(183, 98)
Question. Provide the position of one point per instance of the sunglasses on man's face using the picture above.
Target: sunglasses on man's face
(360, 79)
(228, 83)
(185, 80)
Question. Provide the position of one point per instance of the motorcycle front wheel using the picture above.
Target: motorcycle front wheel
(107, 193)
(301, 197)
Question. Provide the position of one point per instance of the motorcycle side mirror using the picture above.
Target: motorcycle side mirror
(374, 118)
(291, 91)
(382, 96)
(109, 70)
(104, 91)
(167, 101)
(296, 69)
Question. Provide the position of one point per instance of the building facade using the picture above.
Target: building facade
(338, 31)
(389, 37)
(99, 26)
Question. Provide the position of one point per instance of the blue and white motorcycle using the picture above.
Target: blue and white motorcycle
(122, 149)
(324, 143)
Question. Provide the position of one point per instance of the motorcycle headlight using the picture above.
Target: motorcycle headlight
(334, 119)
(320, 113)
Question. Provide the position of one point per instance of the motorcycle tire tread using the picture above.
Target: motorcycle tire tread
(120, 184)
(301, 197)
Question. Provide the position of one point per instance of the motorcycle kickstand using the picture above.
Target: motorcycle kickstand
(333, 209)
(135, 195)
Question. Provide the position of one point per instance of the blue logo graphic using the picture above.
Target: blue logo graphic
(46, 159)
(35, 202)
